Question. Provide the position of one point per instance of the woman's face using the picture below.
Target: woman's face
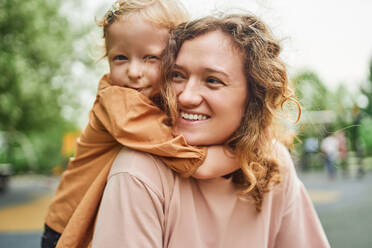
(211, 89)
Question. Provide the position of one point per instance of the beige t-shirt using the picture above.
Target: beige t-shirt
(120, 117)
(145, 204)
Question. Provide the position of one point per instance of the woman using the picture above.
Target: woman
(229, 85)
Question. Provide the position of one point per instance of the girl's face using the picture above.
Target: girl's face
(134, 48)
(211, 89)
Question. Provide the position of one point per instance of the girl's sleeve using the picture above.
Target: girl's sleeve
(136, 122)
(130, 215)
(300, 225)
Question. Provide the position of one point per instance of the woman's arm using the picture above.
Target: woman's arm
(131, 214)
(300, 225)
(218, 162)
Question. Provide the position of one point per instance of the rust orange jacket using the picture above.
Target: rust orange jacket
(119, 117)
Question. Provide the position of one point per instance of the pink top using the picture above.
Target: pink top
(146, 204)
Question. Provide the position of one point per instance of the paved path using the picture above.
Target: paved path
(22, 210)
(344, 207)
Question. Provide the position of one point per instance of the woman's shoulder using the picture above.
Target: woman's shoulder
(287, 169)
(284, 158)
(144, 167)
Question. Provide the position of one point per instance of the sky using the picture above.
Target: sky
(331, 38)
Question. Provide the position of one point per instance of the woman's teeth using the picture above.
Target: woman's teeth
(193, 117)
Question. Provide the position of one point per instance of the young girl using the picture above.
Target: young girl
(135, 33)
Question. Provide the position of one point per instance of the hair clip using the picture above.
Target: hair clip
(112, 11)
(116, 6)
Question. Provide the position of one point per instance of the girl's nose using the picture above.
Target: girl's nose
(190, 96)
(135, 70)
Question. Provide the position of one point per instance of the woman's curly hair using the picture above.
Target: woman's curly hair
(268, 90)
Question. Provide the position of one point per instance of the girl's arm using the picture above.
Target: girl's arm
(129, 118)
(218, 162)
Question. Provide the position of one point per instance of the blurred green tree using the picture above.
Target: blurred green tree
(313, 96)
(367, 91)
(341, 102)
(366, 123)
(36, 52)
(311, 91)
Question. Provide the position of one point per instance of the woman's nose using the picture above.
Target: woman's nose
(190, 96)
(135, 70)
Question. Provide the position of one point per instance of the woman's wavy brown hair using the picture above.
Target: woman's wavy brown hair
(268, 90)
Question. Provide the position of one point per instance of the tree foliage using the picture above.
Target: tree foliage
(366, 123)
(36, 51)
(311, 91)
(314, 96)
(367, 91)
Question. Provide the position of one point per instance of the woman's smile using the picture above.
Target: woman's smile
(189, 116)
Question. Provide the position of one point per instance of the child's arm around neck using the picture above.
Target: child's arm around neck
(134, 121)
(218, 162)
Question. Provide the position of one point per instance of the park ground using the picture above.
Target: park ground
(344, 206)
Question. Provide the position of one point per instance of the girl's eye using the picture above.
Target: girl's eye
(215, 82)
(120, 57)
(152, 58)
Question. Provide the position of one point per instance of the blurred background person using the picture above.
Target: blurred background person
(329, 147)
(342, 152)
(310, 147)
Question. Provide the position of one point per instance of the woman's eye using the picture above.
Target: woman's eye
(177, 75)
(214, 82)
(120, 57)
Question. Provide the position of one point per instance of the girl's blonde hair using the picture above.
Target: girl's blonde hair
(163, 13)
(268, 90)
